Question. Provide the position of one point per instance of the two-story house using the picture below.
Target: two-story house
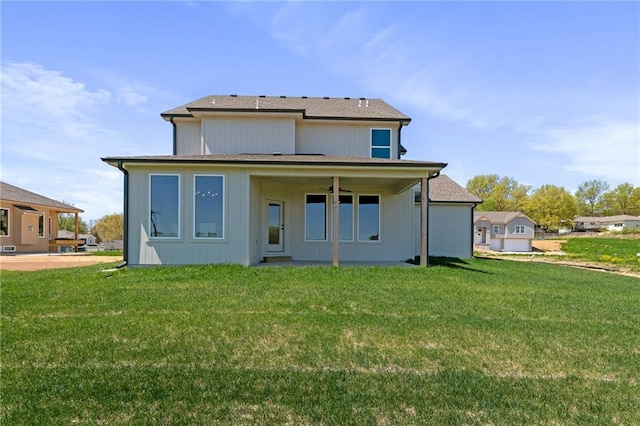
(258, 177)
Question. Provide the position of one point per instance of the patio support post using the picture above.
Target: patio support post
(75, 236)
(336, 229)
(424, 248)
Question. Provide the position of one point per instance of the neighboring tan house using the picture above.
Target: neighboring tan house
(610, 223)
(255, 178)
(29, 221)
(504, 231)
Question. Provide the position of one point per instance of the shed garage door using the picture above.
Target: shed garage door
(517, 245)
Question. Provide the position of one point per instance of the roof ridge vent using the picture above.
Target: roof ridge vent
(262, 96)
(234, 96)
(282, 96)
(326, 97)
(304, 97)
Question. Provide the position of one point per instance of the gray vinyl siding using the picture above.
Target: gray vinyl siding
(188, 138)
(340, 139)
(187, 250)
(234, 135)
(511, 228)
(450, 230)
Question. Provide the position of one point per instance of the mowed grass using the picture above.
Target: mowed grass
(467, 342)
(623, 252)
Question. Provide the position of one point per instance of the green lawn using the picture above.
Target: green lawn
(613, 251)
(468, 342)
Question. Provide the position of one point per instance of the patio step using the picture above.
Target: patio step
(275, 259)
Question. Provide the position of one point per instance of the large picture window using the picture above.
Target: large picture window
(164, 212)
(345, 213)
(4, 222)
(380, 143)
(316, 217)
(368, 217)
(208, 206)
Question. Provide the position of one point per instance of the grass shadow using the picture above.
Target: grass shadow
(447, 262)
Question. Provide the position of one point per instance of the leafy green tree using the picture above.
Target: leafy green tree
(498, 193)
(552, 207)
(634, 202)
(619, 200)
(109, 227)
(67, 221)
(590, 195)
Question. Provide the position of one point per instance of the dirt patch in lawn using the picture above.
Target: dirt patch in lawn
(54, 261)
(547, 245)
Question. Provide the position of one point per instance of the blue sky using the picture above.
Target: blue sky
(543, 92)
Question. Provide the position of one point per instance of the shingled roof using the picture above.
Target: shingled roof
(498, 218)
(445, 189)
(278, 159)
(13, 193)
(309, 107)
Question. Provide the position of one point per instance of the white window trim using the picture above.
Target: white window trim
(379, 219)
(496, 229)
(151, 237)
(326, 213)
(520, 227)
(371, 141)
(224, 208)
(8, 222)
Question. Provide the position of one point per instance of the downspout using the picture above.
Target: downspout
(399, 138)
(125, 236)
(175, 135)
(473, 228)
(427, 207)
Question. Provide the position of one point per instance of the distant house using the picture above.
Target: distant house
(610, 223)
(29, 221)
(504, 231)
(87, 239)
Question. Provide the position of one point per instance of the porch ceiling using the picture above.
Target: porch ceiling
(393, 184)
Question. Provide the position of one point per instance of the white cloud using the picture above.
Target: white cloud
(600, 148)
(376, 53)
(54, 131)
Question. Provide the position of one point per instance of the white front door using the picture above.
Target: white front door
(275, 225)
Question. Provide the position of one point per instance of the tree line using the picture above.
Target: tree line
(107, 228)
(553, 207)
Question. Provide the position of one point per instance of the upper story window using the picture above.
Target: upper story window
(519, 229)
(380, 143)
(164, 202)
(4, 222)
(208, 206)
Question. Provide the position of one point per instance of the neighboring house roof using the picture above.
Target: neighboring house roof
(498, 218)
(606, 219)
(13, 193)
(311, 108)
(445, 189)
(63, 233)
(277, 159)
